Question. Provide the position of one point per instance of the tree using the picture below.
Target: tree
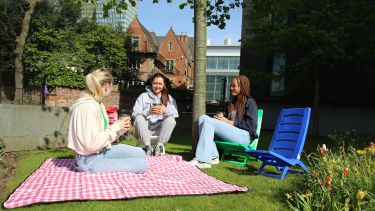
(319, 35)
(20, 45)
(11, 11)
(61, 49)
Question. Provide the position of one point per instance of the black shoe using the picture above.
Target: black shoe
(148, 150)
(159, 150)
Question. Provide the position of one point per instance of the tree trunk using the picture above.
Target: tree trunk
(199, 98)
(316, 102)
(18, 52)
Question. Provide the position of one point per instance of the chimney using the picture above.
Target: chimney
(227, 41)
(208, 41)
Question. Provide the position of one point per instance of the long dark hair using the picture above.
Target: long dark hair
(164, 91)
(238, 102)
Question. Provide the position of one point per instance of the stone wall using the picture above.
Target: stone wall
(26, 127)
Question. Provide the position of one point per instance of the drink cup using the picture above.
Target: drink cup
(156, 105)
(124, 117)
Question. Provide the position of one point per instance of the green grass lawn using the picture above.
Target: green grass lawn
(264, 193)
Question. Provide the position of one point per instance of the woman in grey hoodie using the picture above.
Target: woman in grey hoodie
(155, 112)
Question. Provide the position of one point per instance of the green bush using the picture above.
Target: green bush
(339, 180)
(350, 138)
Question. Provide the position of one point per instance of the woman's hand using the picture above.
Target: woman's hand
(160, 109)
(224, 119)
(125, 123)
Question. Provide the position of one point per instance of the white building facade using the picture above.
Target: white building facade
(223, 63)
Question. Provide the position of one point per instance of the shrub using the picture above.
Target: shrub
(340, 180)
(350, 138)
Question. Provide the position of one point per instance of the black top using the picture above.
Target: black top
(250, 118)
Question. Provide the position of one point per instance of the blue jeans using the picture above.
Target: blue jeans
(208, 127)
(119, 157)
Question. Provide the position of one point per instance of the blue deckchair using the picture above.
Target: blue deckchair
(287, 142)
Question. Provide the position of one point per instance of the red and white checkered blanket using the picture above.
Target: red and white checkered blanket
(56, 180)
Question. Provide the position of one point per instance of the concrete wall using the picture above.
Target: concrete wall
(25, 127)
(331, 117)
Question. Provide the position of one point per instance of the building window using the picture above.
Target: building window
(234, 63)
(277, 84)
(214, 87)
(170, 46)
(169, 64)
(135, 43)
(211, 62)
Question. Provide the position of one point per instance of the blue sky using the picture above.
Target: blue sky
(160, 17)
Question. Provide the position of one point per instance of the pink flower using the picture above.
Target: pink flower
(323, 149)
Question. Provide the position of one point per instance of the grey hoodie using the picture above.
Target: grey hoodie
(144, 103)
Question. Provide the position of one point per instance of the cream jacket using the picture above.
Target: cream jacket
(87, 134)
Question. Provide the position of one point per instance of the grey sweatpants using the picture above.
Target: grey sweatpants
(163, 129)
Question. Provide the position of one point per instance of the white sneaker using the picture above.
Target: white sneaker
(199, 164)
(215, 160)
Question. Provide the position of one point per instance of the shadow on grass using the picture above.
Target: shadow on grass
(250, 170)
(186, 154)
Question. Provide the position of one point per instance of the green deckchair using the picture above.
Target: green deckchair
(234, 152)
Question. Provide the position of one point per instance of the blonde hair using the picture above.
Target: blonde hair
(95, 81)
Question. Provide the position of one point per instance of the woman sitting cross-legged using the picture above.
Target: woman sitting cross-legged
(91, 137)
(155, 112)
(239, 127)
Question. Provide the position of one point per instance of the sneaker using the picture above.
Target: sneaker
(200, 164)
(215, 160)
(159, 150)
(148, 150)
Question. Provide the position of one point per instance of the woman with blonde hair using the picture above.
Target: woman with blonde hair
(239, 126)
(91, 137)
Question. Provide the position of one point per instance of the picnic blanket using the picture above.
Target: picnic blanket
(57, 180)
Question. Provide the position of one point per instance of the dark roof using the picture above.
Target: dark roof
(150, 38)
(159, 39)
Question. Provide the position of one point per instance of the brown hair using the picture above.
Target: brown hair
(164, 91)
(238, 102)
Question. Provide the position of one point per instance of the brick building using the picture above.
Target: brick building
(171, 55)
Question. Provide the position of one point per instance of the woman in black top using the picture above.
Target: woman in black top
(239, 126)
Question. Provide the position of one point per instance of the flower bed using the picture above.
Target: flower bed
(339, 180)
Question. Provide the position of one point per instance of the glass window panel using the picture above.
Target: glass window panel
(277, 86)
(211, 62)
(234, 62)
(220, 64)
(225, 62)
(210, 79)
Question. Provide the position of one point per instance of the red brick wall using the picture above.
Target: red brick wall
(136, 30)
(146, 68)
(176, 54)
(65, 97)
(180, 54)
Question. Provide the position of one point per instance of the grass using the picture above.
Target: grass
(264, 193)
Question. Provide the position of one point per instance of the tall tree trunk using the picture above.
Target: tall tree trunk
(316, 102)
(199, 100)
(21, 39)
